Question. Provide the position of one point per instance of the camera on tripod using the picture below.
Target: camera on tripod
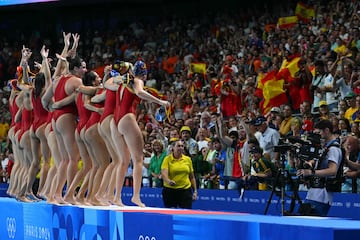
(303, 150)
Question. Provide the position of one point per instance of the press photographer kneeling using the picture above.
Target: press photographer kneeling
(322, 173)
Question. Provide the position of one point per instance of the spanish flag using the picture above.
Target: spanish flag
(287, 22)
(288, 69)
(273, 92)
(304, 12)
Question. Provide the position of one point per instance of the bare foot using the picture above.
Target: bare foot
(95, 202)
(71, 200)
(117, 202)
(59, 200)
(23, 199)
(11, 194)
(82, 201)
(137, 201)
(103, 201)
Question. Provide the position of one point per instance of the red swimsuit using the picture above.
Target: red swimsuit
(84, 114)
(109, 105)
(127, 104)
(13, 108)
(40, 113)
(26, 121)
(60, 94)
(95, 116)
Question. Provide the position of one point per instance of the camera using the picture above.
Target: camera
(303, 150)
(283, 148)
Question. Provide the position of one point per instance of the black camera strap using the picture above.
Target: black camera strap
(331, 184)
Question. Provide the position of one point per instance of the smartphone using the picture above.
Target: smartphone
(344, 133)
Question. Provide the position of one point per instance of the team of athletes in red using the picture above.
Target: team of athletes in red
(62, 116)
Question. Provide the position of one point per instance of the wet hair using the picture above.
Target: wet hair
(39, 83)
(74, 62)
(89, 78)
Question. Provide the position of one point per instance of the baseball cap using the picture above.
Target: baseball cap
(350, 95)
(259, 120)
(275, 109)
(185, 128)
(322, 103)
(233, 129)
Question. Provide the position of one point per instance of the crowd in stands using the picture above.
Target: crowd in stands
(212, 70)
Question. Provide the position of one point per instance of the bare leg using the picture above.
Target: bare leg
(80, 175)
(57, 157)
(66, 126)
(135, 143)
(45, 152)
(35, 161)
(100, 158)
(56, 193)
(105, 194)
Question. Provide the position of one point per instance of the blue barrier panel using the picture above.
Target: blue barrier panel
(140, 225)
(346, 205)
(11, 219)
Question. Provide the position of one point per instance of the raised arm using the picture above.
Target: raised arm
(45, 67)
(220, 132)
(61, 64)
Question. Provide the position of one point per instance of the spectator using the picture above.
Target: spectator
(267, 138)
(351, 102)
(159, 153)
(191, 146)
(285, 125)
(352, 173)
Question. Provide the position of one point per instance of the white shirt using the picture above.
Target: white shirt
(268, 140)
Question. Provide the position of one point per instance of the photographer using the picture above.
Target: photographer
(318, 198)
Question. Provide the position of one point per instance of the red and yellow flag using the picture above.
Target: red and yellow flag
(289, 69)
(273, 92)
(287, 22)
(304, 12)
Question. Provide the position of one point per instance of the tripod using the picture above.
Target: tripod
(283, 176)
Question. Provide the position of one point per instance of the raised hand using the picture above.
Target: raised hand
(44, 52)
(67, 39)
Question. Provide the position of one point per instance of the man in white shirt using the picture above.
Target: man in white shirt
(268, 138)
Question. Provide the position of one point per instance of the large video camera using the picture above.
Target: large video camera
(302, 149)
